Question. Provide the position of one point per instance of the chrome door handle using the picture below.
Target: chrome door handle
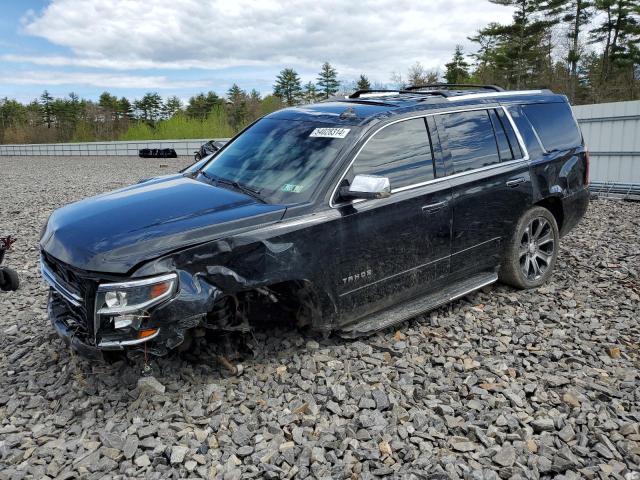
(515, 182)
(434, 207)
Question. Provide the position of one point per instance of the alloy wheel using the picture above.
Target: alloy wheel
(537, 247)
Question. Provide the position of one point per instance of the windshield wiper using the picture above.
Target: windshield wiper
(236, 185)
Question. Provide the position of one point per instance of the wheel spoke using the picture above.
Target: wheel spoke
(523, 250)
(536, 267)
(546, 238)
(544, 256)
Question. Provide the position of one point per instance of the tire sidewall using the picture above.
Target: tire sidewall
(513, 250)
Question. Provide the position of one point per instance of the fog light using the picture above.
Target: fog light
(123, 321)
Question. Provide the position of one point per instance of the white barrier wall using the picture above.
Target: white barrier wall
(182, 147)
(612, 134)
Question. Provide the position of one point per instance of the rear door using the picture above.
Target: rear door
(489, 173)
(393, 248)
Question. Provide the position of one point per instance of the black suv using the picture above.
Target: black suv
(349, 215)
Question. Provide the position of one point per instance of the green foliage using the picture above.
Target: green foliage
(328, 83)
(200, 105)
(180, 126)
(288, 87)
(458, 68)
(363, 83)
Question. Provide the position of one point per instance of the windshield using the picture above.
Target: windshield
(282, 160)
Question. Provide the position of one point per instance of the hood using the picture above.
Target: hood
(115, 231)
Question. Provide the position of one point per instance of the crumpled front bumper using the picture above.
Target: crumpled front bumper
(171, 319)
(64, 323)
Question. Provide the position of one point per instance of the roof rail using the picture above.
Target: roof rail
(495, 88)
(359, 93)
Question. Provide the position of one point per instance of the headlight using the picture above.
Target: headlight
(134, 296)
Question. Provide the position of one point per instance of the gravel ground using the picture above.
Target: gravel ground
(501, 384)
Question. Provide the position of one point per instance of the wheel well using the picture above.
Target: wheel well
(293, 302)
(554, 205)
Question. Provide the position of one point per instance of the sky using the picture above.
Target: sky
(182, 47)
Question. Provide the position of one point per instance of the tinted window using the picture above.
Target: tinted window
(555, 125)
(504, 149)
(282, 159)
(401, 152)
(471, 140)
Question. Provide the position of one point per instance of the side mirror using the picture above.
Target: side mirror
(367, 187)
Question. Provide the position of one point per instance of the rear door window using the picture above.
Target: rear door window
(400, 152)
(511, 134)
(472, 142)
(554, 124)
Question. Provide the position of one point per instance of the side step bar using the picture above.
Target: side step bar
(416, 306)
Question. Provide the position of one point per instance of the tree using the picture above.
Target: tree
(149, 107)
(310, 94)
(518, 51)
(457, 68)
(172, 106)
(288, 87)
(363, 83)
(200, 105)
(108, 102)
(575, 14)
(620, 32)
(418, 75)
(328, 83)
(237, 106)
(46, 101)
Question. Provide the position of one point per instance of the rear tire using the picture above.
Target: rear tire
(11, 281)
(532, 250)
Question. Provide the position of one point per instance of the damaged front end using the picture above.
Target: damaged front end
(93, 315)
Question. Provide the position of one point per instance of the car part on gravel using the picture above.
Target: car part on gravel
(157, 153)
(208, 148)
(9, 280)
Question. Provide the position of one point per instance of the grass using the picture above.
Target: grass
(180, 126)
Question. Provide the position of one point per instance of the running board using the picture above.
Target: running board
(416, 306)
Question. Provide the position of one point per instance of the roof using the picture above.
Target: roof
(366, 105)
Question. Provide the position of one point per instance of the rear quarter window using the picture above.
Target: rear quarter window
(554, 124)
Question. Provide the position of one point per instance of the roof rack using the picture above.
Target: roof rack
(359, 93)
(414, 88)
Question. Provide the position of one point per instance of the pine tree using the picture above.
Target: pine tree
(574, 14)
(517, 50)
(46, 102)
(172, 106)
(458, 68)
(237, 106)
(328, 83)
(310, 94)
(287, 87)
(363, 83)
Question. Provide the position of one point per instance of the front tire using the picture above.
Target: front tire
(532, 250)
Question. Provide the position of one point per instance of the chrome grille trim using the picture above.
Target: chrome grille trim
(59, 286)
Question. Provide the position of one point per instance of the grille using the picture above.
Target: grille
(80, 283)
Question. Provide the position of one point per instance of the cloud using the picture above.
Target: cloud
(94, 79)
(375, 37)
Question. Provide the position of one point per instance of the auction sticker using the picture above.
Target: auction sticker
(330, 132)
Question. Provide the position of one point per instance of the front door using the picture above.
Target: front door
(393, 248)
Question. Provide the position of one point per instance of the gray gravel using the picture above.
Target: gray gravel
(501, 384)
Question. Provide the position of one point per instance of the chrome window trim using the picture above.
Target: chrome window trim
(519, 137)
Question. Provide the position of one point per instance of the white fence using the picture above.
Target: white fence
(612, 134)
(182, 147)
